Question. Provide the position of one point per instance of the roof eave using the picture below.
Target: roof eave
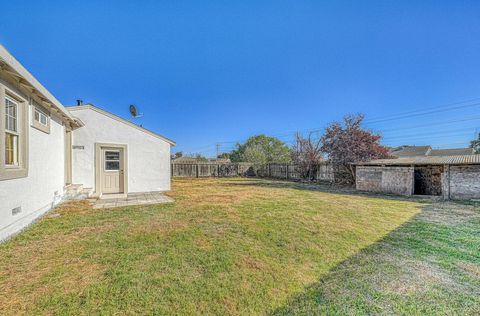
(12, 66)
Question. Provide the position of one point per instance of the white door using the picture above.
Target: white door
(112, 170)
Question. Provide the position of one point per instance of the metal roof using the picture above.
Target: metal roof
(426, 160)
(451, 152)
(410, 151)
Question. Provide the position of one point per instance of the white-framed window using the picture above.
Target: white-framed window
(11, 132)
(40, 117)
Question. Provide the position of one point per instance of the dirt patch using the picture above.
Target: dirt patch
(250, 263)
(160, 226)
(21, 290)
(418, 277)
(78, 207)
(471, 269)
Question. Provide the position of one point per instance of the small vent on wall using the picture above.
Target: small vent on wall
(16, 210)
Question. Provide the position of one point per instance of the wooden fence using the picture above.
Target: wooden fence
(323, 172)
(199, 170)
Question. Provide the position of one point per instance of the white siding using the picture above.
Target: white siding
(148, 156)
(42, 188)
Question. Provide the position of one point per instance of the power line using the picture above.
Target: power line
(428, 111)
(426, 136)
(429, 133)
(475, 118)
(432, 110)
(395, 129)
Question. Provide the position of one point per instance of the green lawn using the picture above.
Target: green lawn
(248, 246)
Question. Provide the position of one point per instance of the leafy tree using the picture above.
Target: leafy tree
(178, 154)
(255, 154)
(475, 144)
(261, 149)
(346, 143)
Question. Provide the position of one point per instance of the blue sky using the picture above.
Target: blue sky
(204, 72)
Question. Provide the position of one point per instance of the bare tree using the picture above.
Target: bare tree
(306, 154)
(347, 143)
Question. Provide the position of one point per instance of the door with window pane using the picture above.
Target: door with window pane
(112, 170)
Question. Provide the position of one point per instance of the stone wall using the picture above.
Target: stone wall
(464, 182)
(396, 180)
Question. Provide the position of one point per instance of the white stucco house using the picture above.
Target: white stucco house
(46, 148)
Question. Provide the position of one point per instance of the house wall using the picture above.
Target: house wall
(43, 186)
(464, 182)
(148, 156)
(396, 180)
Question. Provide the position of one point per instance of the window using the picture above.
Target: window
(40, 119)
(112, 160)
(13, 135)
(11, 132)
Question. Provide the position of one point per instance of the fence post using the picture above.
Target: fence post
(196, 170)
(287, 172)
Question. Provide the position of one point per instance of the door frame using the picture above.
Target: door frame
(68, 156)
(98, 166)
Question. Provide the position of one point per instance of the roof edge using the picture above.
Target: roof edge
(120, 119)
(22, 72)
(425, 160)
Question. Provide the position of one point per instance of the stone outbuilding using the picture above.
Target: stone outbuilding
(452, 177)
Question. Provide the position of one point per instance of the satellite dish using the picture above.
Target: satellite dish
(134, 111)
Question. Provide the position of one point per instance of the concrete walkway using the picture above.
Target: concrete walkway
(132, 199)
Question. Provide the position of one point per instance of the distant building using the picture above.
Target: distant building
(221, 160)
(452, 152)
(185, 160)
(420, 151)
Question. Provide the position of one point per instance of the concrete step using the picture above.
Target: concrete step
(84, 194)
(77, 192)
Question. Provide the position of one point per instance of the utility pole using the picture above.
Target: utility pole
(217, 146)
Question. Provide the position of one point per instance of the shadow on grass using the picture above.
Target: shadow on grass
(326, 188)
(429, 265)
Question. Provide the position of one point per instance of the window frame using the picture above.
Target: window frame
(37, 124)
(12, 100)
(20, 169)
(106, 161)
(13, 132)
